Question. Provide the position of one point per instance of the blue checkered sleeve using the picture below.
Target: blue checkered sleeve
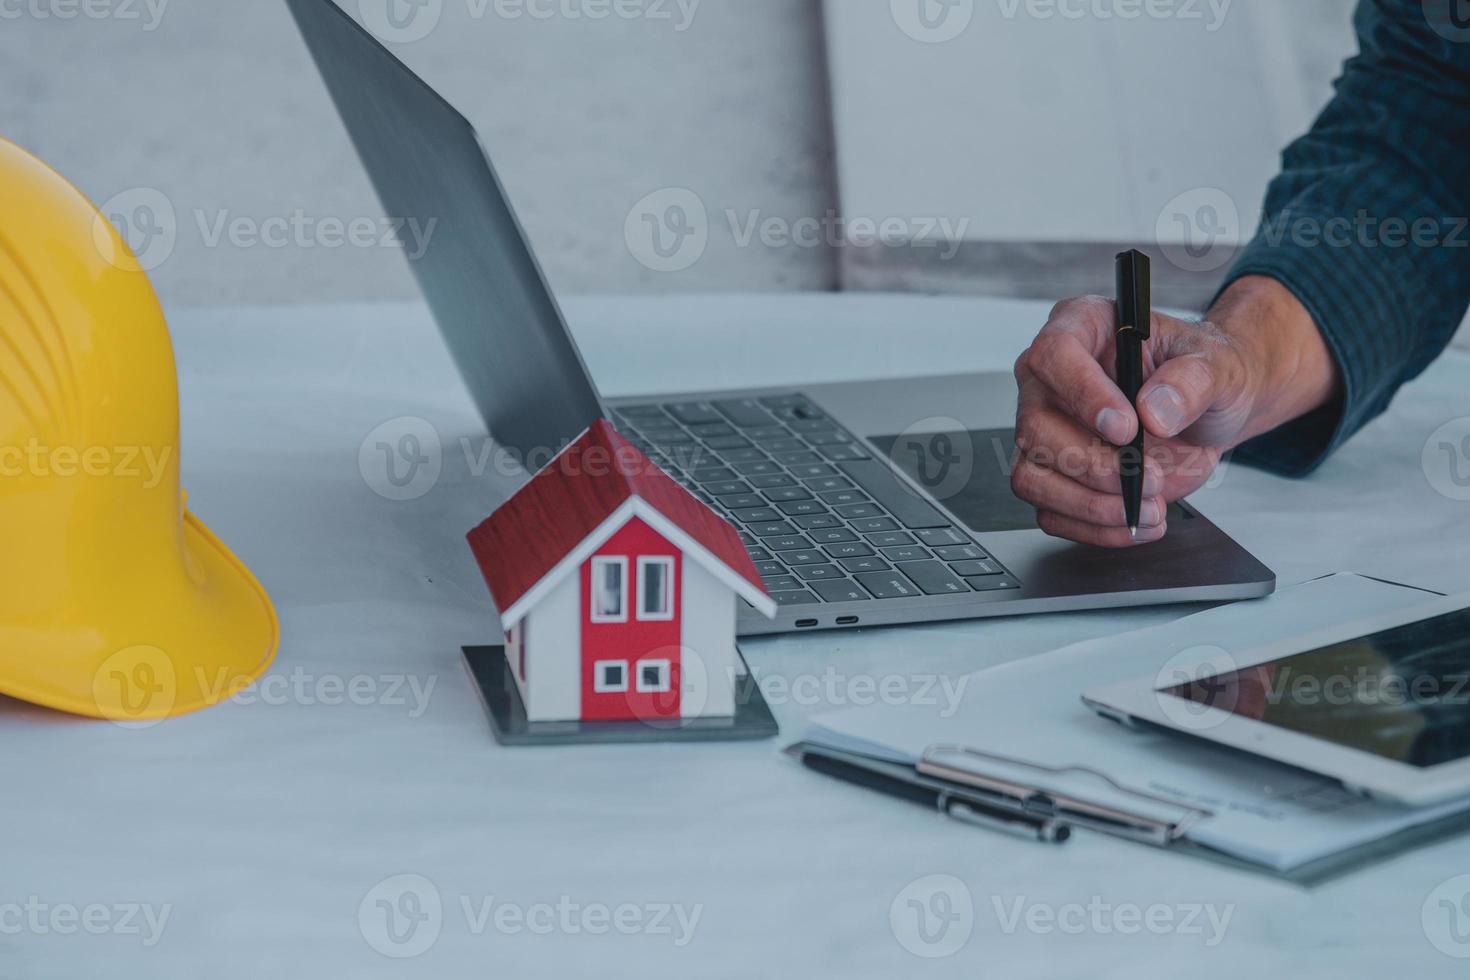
(1367, 223)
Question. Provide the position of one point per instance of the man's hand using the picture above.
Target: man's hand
(1256, 363)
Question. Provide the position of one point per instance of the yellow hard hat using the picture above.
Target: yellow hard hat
(115, 602)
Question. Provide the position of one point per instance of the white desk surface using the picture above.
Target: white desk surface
(263, 826)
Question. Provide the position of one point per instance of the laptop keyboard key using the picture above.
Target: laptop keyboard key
(712, 430)
(802, 508)
(727, 489)
(790, 542)
(829, 483)
(768, 433)
(891, 539)
(763, 468)
(887, 585)
(820, 573)
(802, 598)
(743, 456)
(759, 554)
(817, 522)
(768, 568)
(908, 553)
(804, 458)
(743, 501)
(842, 498)
(835, 535)
(934, 578)
(993, 583)
(874, 525)
(744, 412)
(787, 445)
(840, 590)
(834, 438)
(724, 444)
(855, 511)
(771, 529)
(940, 537)
(844, 454)
(969, 569)
(796, 558)
(874, 564)
(782, 494)
(714, 474)
(854, 549)
(963, 552)
(757, 515)
(695, 413)
(812, 471)
(781, 583)
(772, 482)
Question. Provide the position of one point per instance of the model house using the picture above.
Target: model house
(618, 589)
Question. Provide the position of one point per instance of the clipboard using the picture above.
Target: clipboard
(1113, 809)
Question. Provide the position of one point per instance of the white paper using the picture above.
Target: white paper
(1262, 812)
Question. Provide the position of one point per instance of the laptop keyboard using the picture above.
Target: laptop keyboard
(823, 520)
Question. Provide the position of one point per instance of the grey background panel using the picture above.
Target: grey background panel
(216, 105)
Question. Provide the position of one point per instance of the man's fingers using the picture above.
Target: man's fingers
(1177, 394)
(1065, 358)
(1061, 526)
(1049, 491)
(1051, 440)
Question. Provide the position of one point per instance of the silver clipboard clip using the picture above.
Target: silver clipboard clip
(940, 762)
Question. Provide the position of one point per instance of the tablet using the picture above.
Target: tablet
(1381, 705)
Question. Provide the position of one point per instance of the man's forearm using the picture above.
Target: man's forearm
(1292, 371)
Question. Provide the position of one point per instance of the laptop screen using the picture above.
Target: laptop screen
(476, 270)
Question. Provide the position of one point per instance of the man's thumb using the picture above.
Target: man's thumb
(1179, 392)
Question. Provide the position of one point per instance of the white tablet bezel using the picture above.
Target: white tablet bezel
(1142, 699)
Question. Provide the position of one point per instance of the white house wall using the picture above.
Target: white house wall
(708, 630)
(553, 637)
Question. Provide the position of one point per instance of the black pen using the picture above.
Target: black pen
(1135, 317)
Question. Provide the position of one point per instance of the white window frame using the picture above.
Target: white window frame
(666, 671)
(667, 562)
(598, 563)
(602, 687)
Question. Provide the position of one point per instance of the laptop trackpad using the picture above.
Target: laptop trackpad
(970, 474)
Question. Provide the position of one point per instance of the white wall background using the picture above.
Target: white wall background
(217, 106)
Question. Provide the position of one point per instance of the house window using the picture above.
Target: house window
(610, 676)
(656, 589)
(653, 676)
(609, 590)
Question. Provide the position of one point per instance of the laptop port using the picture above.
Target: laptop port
(805, 624)
(847, 620)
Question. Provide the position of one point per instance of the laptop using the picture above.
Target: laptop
(856, 513)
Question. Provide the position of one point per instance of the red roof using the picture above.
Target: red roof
(572, 497)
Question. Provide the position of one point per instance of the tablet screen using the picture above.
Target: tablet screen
(1403, 694)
